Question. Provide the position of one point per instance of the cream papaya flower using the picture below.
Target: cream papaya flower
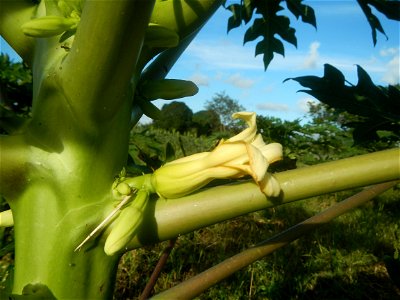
(241, 155)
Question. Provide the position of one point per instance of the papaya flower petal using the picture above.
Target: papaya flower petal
(272, 152)
(244, 154)
(248, 134)
(270, 186)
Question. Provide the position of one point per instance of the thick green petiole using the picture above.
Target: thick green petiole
(170, 218)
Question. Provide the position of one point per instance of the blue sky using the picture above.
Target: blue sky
(218, 62)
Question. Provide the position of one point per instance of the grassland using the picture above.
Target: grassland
(341, 260)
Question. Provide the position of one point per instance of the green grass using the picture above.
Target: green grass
(342, 260)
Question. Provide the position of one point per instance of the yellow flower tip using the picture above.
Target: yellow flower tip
(272, 152)
(249, 133)
(270, 186)
(248, 116)
(6, 218)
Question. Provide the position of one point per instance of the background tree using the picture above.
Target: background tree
(206, 122)
(175, 116)
(224, 106)
(15, 94)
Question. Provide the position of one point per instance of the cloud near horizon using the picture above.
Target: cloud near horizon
(302, 106)
(273, 106)
(391, 75)
(311, 61)
(200, 79)
(239, 81)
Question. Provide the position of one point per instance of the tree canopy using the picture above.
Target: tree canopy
(224, 106)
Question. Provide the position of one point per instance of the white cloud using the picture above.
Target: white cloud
(389, 51)
(239, 81)
(200, 79)
(392, 70)
(303, 104)
(311, 61)
(392, 76)
(271, 106)
(224, 55)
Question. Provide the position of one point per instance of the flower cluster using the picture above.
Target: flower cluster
(243, 154)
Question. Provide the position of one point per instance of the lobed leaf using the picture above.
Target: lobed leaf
(378, 107)
(270, 26)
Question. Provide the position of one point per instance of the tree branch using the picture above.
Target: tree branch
(166, 219)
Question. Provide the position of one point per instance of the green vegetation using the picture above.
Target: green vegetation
(81, 188)
(344, 259)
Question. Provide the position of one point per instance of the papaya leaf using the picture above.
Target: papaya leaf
(304, 11)
(378, 107)
(391, 9)
(270, 26)
(240, 13)
(373, 21)
(236, 19)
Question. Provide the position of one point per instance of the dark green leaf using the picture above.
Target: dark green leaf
(149, 109)
(236, 19)
(372, 19)
(270, 26)
(377, 107)
(391, 9)
(247, 10)
(255, 31)
(334, 76)
(9, 248)
(282, 27)
(304, 11)
(169, 152)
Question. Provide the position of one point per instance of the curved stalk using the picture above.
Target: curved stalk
(198, 284)
(184, 17)
(96, 73)
(167, 219)
(12, 15)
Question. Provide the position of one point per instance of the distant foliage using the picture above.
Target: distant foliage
(15, 94)
(224, 106)
(15, 84)
(175, 116)
(151, 147)
(206, 122)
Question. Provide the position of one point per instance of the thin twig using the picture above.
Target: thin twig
(157, 270)
(105, 222)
